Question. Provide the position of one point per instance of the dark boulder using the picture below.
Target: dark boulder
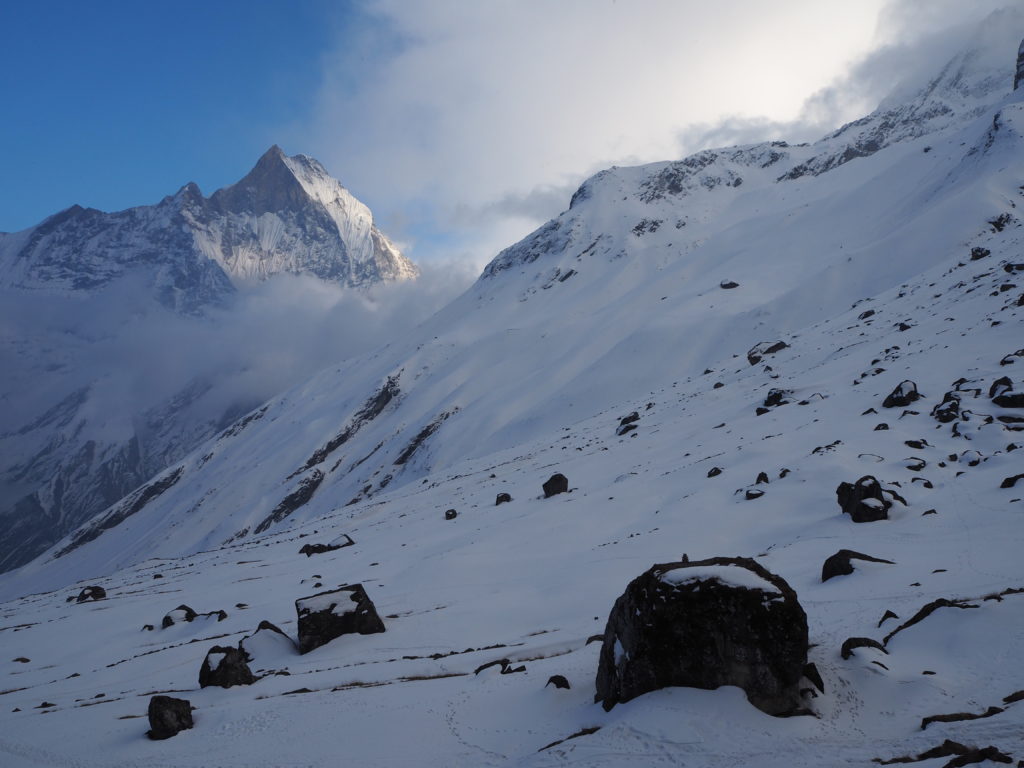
(979, 253)
(775, 398)
(168, 716)
(558, 681)
(714, 472)
(863, 501)
(1000, 386)
(839, 564)
(904, 394)
(727, 284)
(180, 615)
(757, 352)
(557, 483)
(327, 615)
(753, 493)
(704, 624)
(948, 410)
(225, 666)
(1002, 394)
(91, 593)
(1009, 482)
(626, 420)
(619, 432)
(502, 498)
(318, 549)
(450, 514)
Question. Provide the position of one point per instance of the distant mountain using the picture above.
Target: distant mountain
(287, 215)
(68, 447)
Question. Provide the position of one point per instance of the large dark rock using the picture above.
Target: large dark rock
(839, 564)
(327, 615)
(704, 624)
(168, 716)
(225, 666)
(1002, 394)
(502, 498)
(181, 614)
(557, 483)
(758, 351)
(904, 394)
(91, 593)
(863, 501)
(948, 410)
(319, 548)
(775, 398)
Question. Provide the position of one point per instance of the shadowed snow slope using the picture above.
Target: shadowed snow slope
(875, 267)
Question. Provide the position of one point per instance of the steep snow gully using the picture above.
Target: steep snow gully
(876, 279)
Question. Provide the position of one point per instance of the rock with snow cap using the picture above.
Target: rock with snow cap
(225, 666)
(328, 615)
(904, 394)
(704, 624)
(863, 501)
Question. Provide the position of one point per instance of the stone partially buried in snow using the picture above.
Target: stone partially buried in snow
(863, 501)
(327, 615)
(704, 624)
(557, 483)
(225, 666)
(904, 394)
(168, 716)
(91, 593)
(268, 647)
(758, 351)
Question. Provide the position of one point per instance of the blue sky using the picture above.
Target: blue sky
(114, 104)
(462, 124)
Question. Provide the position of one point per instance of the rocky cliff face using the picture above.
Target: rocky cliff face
(73, 456)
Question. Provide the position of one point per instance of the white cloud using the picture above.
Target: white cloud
(479, 105)
(475, 117)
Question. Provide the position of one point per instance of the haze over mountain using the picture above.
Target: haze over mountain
(716, 352)
(129, 336)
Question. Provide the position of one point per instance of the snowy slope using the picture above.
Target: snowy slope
(73, 287)
(903, 263)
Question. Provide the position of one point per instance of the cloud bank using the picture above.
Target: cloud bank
(466, 125)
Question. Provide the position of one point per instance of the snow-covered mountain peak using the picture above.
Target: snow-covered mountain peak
(286, 215)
